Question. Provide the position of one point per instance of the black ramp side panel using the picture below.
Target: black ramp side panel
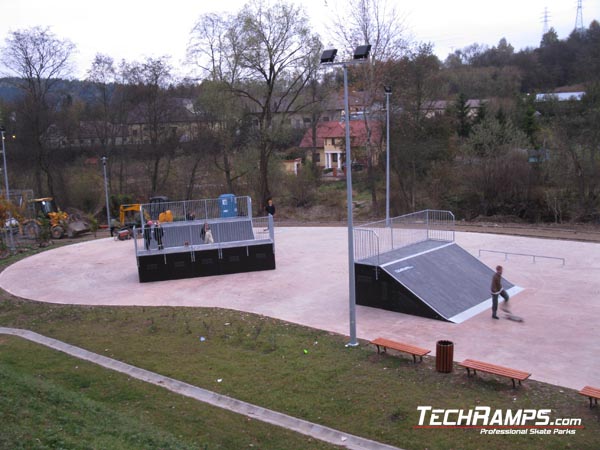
(377, 289)
(449, 280)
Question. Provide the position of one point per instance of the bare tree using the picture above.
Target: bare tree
(266, 55)
(374, 22)
(495, 167)
(107, 112)
(378, 23)
(215, 47)
(38, 60)
(154, 109)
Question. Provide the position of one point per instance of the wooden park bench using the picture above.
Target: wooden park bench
(592, 393)
(471, 364)
(406, 348)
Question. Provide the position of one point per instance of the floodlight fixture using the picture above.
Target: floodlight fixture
(361, 54)
(362, 51)
(328, 55)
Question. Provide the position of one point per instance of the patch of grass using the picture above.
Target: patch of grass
(303, 372)
(51, 400)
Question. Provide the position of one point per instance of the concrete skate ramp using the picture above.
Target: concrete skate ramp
(443, 282)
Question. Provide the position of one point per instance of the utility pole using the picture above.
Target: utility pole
(7, 194)
(579, 17)
(104, 159)
(545, 20)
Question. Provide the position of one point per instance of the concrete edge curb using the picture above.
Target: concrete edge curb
(301, 426)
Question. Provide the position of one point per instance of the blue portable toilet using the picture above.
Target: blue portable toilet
(228, 205)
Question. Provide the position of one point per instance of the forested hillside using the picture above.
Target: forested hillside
(470, 134)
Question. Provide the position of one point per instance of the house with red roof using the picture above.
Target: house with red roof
(328, 150)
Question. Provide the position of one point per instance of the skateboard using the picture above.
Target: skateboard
(510, 316)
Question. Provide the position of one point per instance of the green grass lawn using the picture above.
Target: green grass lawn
(50, 400)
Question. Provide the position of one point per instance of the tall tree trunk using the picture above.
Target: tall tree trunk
(191, 180)
(264, 189)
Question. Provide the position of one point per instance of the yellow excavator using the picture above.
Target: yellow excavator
(130, 216)
(60, 222)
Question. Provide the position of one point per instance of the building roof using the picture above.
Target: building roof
(560, 96)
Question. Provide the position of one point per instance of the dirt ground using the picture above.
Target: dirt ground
(575, 232)
(572, 232)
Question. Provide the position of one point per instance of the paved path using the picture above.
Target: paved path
(221, 401)
(557, 343)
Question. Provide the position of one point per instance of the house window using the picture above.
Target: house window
(316, 157)
(334, 157)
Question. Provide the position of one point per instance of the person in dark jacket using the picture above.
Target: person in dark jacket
(497, 290)
(158, 235)
(148, 234)
(270, 208)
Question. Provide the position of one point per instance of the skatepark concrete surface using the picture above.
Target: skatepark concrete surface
(557, 342)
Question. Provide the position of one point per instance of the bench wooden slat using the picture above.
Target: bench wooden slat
(493, 368)
(401, 347)
(592, 393)
(507, 372)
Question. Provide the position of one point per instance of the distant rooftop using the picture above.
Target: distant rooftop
(560, 96)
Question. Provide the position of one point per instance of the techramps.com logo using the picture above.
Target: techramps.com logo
(498, 421)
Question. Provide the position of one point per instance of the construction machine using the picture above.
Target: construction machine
(60, 222)
(130, 215)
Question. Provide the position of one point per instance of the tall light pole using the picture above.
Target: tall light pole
(104, 159)
(361, 53)
(11, 241)
(388, 92)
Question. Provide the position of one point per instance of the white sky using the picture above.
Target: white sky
(136, 29)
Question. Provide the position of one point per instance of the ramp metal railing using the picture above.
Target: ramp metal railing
(182, 236)
(206, 209)
(376, 238)
(527, 255)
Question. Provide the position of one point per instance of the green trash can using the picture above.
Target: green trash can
(444, 356)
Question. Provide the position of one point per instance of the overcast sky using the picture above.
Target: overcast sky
(136, 29)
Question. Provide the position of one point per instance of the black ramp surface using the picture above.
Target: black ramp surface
(448, 279)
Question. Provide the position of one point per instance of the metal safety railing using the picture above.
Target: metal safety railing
(528, 255)
(205, 209)
(376, 238)
(188, 235)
